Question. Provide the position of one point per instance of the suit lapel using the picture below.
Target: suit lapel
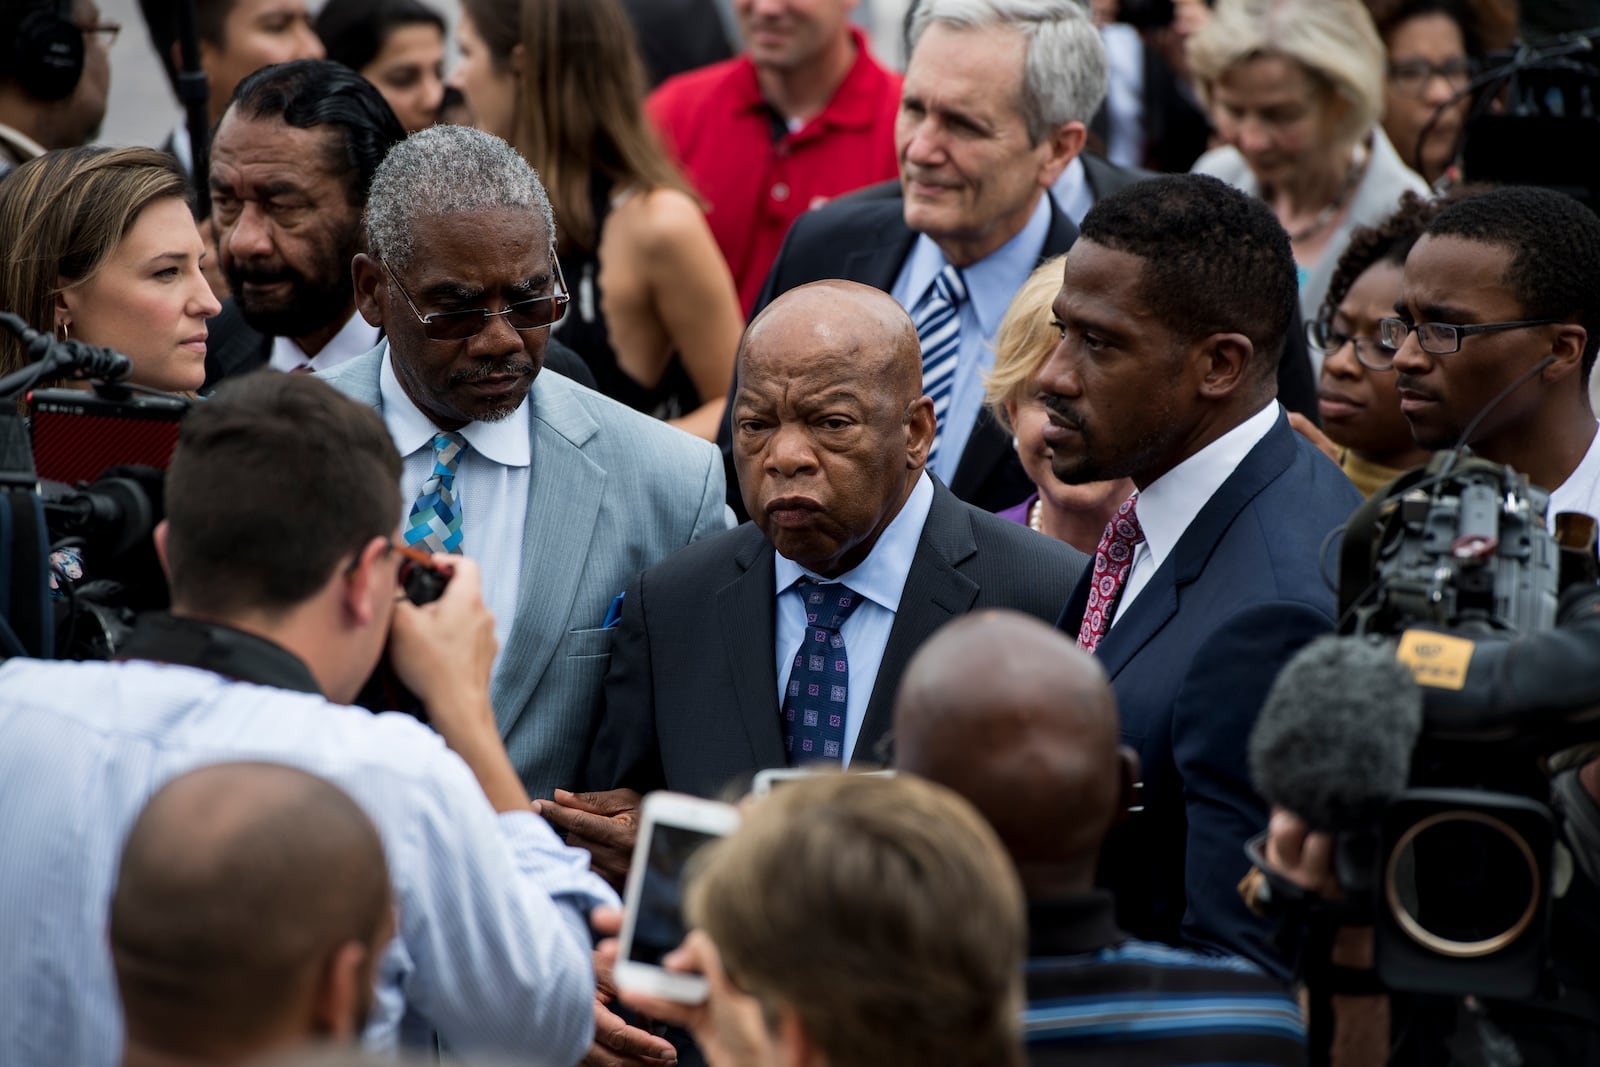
(877, 261)
(935, 592)
(747, 616)
(565, 491)
(1158, 601)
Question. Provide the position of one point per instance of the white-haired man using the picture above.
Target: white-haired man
(996, 100)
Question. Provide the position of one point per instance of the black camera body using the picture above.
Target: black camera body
(1453, 563)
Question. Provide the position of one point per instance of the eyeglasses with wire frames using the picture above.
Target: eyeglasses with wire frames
(535, 313)
(1328, 338)
(1444, 338)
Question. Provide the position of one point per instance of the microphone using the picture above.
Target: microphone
(1334, 740)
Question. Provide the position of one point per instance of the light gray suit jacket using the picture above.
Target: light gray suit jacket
(612, 492)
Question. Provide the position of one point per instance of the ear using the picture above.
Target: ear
(1128, 795)
(360, 581)
(66, 301)
(795, 1047)
(159, 536)
(340, 998)
(1011, 417)
(920, 427)
(1062, 146)
(518, 58)
(372, 290)
(1568, 349)
(1223, 363)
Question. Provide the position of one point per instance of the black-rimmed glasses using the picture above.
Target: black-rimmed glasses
(1444, 338)
(1411, 76)
(535, 313)
(1370, 352)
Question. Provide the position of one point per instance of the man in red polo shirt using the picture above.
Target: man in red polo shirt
(804, 115)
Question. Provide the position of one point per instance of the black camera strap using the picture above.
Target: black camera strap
(221, 649)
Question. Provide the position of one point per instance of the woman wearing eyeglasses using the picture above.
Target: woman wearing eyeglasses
(654, 310)
(1435, 47)
(1366, 433)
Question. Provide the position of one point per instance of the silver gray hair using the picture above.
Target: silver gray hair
(1064, 75)
(446, 170)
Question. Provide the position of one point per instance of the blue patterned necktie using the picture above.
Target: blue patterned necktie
(435, 521)
(814, 700)
(938, 320)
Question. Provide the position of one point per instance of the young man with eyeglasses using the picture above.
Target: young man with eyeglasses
(1495, 336)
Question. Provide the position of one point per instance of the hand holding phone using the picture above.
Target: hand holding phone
(673, 829)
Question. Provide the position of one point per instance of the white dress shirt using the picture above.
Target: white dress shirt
(991, 283)
(492, 946)
(1072, 192)
(491, 489)
(1581, 491)
(1169, 504)
(354, 338)
(879, 579)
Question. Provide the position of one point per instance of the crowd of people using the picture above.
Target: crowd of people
(988, 421)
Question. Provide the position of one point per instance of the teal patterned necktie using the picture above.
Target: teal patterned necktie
(435, 521)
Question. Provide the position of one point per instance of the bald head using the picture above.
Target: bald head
(842, 320)
(830, 427)
(245, 889)
(1009, 713)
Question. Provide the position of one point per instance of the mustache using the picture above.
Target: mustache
(241, 275)
(515, 367)
(1404, 384)
(1059, 408)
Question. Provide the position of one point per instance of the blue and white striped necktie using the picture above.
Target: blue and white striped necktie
(435, 520)
(938, 320)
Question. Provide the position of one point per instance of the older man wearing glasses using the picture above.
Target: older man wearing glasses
(1495, 337)
(560, 494)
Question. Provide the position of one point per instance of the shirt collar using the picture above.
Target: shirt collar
(1072, 192)
(993, 280)
(26, 146)
(849, 106)
(881, 577)
(354, 338)
(505, 441)
(1072, 926)
(1169, 504)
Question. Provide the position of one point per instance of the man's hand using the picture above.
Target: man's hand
(616, 1044)
(444, 652)
(728, 1027)
(605, 823)
(1303, 857)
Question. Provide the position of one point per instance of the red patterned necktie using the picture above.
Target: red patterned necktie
(1113, 559)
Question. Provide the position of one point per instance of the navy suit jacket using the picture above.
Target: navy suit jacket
(1249, 582)
(691, 697)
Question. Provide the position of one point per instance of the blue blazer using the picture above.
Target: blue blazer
(1249, 582)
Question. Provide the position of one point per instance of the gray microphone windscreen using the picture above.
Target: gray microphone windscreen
(1335, 737)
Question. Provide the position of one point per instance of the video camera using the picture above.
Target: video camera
(103, 454)
(1450, 565)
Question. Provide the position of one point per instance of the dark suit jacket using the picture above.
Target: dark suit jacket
(1244, 588)
(691, 697)
(234, 347)
(867, 241)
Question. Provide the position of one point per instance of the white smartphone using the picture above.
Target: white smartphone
(775, 776)
(673, 828)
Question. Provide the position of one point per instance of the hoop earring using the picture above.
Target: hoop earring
(62, 327)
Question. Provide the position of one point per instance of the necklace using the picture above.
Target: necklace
(1035, 519)
(1358, 167)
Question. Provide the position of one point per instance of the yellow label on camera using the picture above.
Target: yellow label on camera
(1438, 661)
